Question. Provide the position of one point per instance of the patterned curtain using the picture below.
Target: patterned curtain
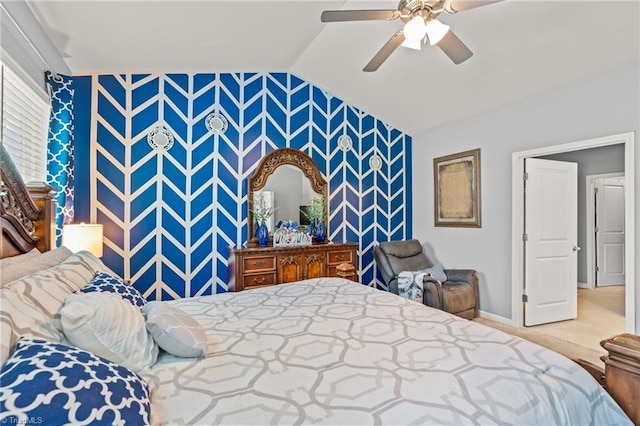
(60, 148)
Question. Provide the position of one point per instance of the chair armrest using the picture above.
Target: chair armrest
(431, 279)
(393, 286)
(466, 276)
(462, 275)
(385, 270)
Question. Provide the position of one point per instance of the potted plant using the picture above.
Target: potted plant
(316, 212)
(261, 211)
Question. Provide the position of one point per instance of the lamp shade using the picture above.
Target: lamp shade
(436, 31)
(415, 29)
(83, 236)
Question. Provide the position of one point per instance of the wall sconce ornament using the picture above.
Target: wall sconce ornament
(216, 123)
(345, 143)
(375, 162)
(160, 139)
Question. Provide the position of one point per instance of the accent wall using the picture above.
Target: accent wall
(171, 214)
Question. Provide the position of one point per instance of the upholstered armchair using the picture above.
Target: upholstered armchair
(457, 294)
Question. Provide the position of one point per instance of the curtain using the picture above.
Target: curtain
(60, 148)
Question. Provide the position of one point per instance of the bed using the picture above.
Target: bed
(320, 351)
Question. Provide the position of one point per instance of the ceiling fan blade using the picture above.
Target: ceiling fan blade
(454, 48)
(359, 15)
(386, 51)
(455, 6)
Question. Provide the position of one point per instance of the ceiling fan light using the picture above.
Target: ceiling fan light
(412, 44)
(415, 29)
(436, 31)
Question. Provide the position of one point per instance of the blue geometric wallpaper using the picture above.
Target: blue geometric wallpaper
(171, 215)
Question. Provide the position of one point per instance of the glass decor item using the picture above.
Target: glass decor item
(263, 235)
(320, 234)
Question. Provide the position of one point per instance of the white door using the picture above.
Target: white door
(609, 198)
(551, 235)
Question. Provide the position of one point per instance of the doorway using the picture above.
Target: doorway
(518, 246)
(605, 230)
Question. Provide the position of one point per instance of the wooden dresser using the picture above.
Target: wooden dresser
(258, 267)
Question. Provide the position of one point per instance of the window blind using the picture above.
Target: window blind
(25, 118)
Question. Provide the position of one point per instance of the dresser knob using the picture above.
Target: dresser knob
(258, 281)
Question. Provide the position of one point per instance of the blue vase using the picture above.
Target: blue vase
(263, 235)
(320, 235)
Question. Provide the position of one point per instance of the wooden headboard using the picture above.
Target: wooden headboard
(26, 212)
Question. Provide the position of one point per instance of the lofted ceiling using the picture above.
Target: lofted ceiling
(520, 48)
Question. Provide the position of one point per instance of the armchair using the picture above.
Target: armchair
(457, 295)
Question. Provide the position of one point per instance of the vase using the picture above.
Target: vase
(320, 235)
(263, 235)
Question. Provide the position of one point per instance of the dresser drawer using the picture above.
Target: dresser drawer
(259, 280)
(336, 257)
(259, 263)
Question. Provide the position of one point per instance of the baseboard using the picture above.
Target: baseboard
(496, 318)
(584, 285)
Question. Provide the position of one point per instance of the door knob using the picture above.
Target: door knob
(576, 248)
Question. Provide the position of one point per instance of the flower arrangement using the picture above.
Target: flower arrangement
(261, 210)
(315, 211)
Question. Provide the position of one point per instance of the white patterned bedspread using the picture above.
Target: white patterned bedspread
(328, 351)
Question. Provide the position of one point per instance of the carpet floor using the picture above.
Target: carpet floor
(569, 349)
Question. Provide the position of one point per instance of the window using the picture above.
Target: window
(24, 124)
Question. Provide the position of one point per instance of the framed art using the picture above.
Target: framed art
(457, 189)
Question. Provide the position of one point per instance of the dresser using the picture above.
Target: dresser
(264, 266)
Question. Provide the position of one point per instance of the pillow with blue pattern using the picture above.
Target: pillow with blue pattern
(103, 282)
(54, 384)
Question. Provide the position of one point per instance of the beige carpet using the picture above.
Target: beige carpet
(600, 316)
(569, 349)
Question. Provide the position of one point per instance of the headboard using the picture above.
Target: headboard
(26, 212)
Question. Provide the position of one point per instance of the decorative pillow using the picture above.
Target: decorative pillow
(103, 282)
(54, 384)
(30, 305)
(175, 331)
(110, 327)
(28, 255)
(410, 285)
(14, 268)
(436, 272)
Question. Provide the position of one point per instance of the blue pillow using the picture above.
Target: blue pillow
(55, 384)
(104, 282)
(436, 272)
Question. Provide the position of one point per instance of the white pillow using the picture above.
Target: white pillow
(110, 327)
(34, 252)
(14, 268)
(175, 331)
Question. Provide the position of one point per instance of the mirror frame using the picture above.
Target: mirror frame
(268, 165)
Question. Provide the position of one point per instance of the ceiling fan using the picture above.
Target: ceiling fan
(420, 26)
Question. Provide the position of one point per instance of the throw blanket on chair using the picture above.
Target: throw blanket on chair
(410, 285)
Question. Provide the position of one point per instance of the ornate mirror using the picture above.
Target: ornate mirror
(292, 180)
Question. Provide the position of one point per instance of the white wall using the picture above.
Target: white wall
(602, 105)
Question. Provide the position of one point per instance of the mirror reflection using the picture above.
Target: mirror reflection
(289, 191)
